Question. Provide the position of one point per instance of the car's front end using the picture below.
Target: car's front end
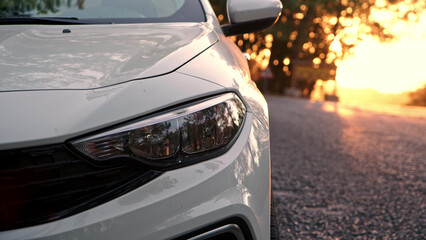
(134, 131)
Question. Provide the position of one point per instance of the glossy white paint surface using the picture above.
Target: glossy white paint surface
(93, 56)
(32, 118)
(230, 70)
(179, 201)
(240, 11)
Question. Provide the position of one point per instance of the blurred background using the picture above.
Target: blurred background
(353, 169)
(351, 51)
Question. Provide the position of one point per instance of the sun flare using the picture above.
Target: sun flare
(393, 67)
(386, 67)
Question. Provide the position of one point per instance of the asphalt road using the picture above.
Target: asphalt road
(340, 172)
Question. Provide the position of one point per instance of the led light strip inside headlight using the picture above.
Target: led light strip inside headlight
(173, 137)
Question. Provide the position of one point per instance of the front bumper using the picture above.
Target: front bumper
(233, 185)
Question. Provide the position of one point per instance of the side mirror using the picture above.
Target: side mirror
(246, 16)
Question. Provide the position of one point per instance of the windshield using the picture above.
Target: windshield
(102, 11)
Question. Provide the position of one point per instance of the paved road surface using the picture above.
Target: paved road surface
(339, 172)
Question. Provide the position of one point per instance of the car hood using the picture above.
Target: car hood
(42, 57)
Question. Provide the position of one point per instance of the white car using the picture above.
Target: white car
(132, 119)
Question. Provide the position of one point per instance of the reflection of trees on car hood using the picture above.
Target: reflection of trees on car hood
(42, 57)
(14, 8)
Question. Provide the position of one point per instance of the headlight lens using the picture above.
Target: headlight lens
(171, 138)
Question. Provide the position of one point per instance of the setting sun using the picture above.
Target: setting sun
(389, 68)
(393, 67)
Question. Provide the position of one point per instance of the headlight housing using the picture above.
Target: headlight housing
(174, 138)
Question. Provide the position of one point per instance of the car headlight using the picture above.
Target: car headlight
(180, 136)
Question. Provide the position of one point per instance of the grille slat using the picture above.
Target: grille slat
(38, 185)
(41, 166)
(69, 178)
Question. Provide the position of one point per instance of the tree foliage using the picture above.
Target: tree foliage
(418, 97)
(14, 8)
(318, 31)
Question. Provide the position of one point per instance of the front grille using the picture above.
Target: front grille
(43, 184)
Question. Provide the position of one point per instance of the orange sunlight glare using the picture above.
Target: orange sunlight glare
(389, 68)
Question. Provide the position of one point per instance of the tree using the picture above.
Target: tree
(319, 31)
(22, 7)
(418, 97)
